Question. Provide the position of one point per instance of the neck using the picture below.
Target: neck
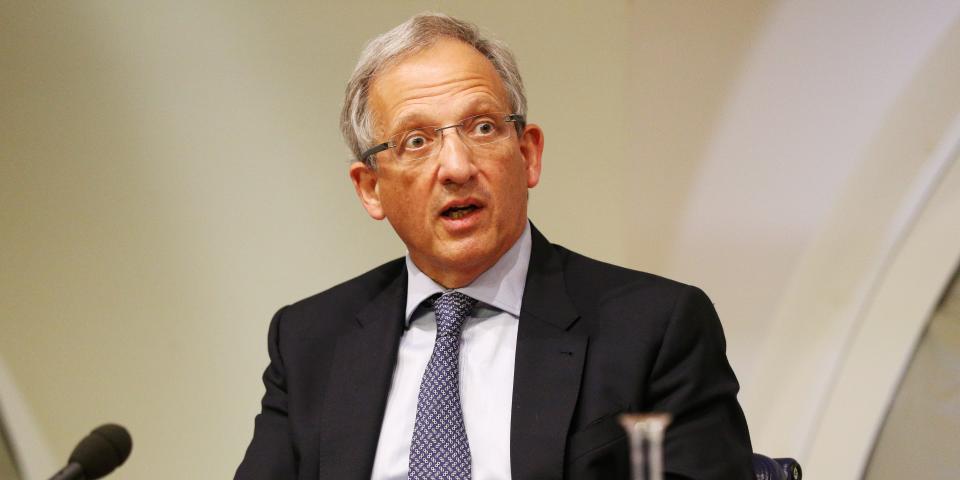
(451, 280)
(460, 274)
(454, 276)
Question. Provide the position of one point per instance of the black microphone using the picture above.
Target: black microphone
(98, 454)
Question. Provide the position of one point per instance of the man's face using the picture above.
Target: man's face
(440, 86)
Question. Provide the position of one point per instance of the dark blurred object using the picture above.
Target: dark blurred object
(766, 468)
(98, 454)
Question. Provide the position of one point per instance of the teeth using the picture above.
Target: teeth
(459, 212)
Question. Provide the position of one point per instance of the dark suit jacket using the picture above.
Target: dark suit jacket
(594, 340)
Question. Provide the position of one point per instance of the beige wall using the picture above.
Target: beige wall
(170, 174)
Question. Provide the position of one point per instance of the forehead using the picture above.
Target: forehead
(444, 82)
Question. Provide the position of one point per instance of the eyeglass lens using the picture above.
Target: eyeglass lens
(475, 130)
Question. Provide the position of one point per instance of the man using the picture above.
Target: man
(487, 352)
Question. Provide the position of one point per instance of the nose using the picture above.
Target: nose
(455, 159)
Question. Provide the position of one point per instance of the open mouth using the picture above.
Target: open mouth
(455, 213)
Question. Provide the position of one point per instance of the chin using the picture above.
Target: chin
(468, 254)
(464, 256)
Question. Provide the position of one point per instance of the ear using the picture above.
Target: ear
(531, 148)
(365, 183)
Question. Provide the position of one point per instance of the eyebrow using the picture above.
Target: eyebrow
(409, 120)
(419, 119)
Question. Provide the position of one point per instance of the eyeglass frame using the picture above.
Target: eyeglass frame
(518, 120)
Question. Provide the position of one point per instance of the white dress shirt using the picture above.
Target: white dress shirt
(488, 347)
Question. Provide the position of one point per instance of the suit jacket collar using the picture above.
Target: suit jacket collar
(549, 364)
(545, 295)
(359, 380)
(547, 372)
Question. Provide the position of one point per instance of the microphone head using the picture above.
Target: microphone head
(105, 449)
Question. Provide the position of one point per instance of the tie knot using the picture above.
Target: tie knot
(451, 310)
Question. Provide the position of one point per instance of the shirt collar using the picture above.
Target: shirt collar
(501, 286)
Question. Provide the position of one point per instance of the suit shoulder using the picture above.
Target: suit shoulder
(591, 281)
(579, 266)
(613, 300)
(351, 295)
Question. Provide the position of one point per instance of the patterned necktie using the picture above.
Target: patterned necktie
(439, 449)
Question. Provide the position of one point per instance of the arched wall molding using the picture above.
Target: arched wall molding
(823, 384)
(906, 292)
(30, 449)
(789, 209)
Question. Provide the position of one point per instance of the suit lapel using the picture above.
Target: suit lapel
(549, 363)
(363, 365)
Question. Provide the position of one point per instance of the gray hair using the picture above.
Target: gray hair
(414, 35)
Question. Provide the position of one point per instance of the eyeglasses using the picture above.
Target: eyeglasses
(421, 143)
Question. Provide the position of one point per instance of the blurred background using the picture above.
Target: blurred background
(171, 173)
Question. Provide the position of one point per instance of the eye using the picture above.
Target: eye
(484, 128)
(414, 142)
